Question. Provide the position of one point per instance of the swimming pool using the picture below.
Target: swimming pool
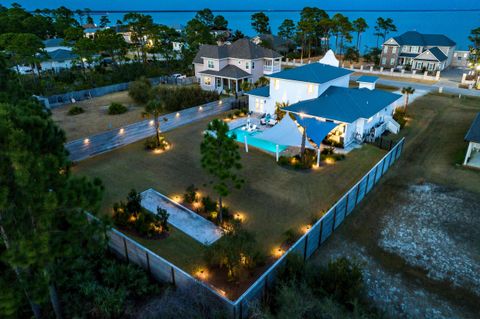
(252, 141)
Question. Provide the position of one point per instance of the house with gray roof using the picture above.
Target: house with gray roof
(319, 96)
(58, 60)
(426, 52)
(227, 66)
(472, 158)
(56, 44)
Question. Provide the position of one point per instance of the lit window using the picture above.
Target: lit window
(210, 65)
(310, 89)
(276, 84)
(207, 80)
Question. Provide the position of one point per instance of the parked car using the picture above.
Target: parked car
(178, 76)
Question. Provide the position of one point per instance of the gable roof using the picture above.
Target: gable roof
(240, 49)
(345, 104)
(420, 39)
(473, 134)
(261, 91)
(55, 42)
(229, 71)
(61, 55)
(368, 79)
(312, 73)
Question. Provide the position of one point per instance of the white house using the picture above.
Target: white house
(228, 66)
(321, 92)
(58, 60)
(431, 52)
(472, 158)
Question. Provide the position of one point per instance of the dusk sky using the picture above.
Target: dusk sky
(249, 4)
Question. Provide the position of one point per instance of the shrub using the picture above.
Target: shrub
(151, 143)
(290, 236)
(75, 110)
(117, 108)
(190, 195)
(179, 98)
(139, 90)
(209, 205)
(400, 117)
(296, 162)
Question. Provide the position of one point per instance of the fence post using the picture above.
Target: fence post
(148, 263)
(366, 185)
(346, 206)
(375, 176)
(383, 166)
(320, 235)
(356, 196)
(305, 248)
(126, 250)
(334, 218)
(173, 276)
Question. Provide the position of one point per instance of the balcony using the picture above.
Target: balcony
(272, 66)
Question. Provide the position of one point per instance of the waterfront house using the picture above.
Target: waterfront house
(321, 92)
(418, 51)
(228, 66)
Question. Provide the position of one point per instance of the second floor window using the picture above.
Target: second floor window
(394, 50)
(210, 64)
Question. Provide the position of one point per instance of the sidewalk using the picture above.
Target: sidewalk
(100, 143)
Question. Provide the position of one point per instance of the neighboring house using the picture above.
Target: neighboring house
(90, 32)
(274, 42)
(460, 58)
(56, 44)
(472, 158)
(228, 66)
(58, 60)
(321, 92)
(429, 52)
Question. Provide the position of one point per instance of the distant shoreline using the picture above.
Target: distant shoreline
(281, 10)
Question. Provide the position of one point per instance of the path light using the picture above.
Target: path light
(202, 274)
(220, 102)
(151, 123)
(177, 115)
(177, 198)
(200, 108)
(86, 141)
(122, 130)
(240, 217)
(278, 252)
(306, 228)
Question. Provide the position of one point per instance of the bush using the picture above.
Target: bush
(209, 205)
(290, 236)
(75, 110)
(400, 117)
(117, 108)
(190, 195)
(139, 90)
(179, 98)
(296, 162)
(151, 143)
(132, 216)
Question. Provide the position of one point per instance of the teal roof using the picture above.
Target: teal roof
(345, 104)
(473, 134)
(312, 73)
(420, 39)
(368, 79)
(261, 91)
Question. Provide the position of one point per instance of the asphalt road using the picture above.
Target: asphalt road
(103, 142)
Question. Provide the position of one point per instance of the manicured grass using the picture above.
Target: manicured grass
(274, 199)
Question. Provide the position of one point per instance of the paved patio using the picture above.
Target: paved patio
(182, 218)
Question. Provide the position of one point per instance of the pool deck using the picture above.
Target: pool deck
(182, 218)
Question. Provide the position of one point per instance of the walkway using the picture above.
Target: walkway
(182, 218)
(103, 142)
(426, 87)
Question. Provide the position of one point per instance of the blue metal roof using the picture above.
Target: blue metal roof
(261, 91)
(312, 73)
(473, 134)
(438, 54)
(345, 104)
(420, 39)
(316, 130)
(368, 79)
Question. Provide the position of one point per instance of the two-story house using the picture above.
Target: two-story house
(428, 52)
(321, 92)
(228, 66)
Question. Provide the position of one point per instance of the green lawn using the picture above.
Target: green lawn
(274, 199)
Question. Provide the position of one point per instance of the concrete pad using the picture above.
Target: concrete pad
(182, 218)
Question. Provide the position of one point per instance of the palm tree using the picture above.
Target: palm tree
(262, 81)
(155, 108)
(406, 91)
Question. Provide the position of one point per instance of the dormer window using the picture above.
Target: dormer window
(210, 64)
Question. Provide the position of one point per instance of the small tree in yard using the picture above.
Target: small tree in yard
(154, 109)
(406, 91)
(163, 216)
(221, 160)
(140, 90)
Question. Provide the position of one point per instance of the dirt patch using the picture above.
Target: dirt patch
(433, 230)
(96, 119)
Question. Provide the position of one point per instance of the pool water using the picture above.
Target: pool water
(252, 141)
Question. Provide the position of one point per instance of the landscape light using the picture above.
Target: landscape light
(151, 123)
(86, 141)
(220, 102)
(278, 252)
(177, 115)
(122, 130)
(200, 108)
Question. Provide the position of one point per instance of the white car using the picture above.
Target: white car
(179, 76)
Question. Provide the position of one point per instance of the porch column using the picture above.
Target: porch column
(236, 85)
(318, 156)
